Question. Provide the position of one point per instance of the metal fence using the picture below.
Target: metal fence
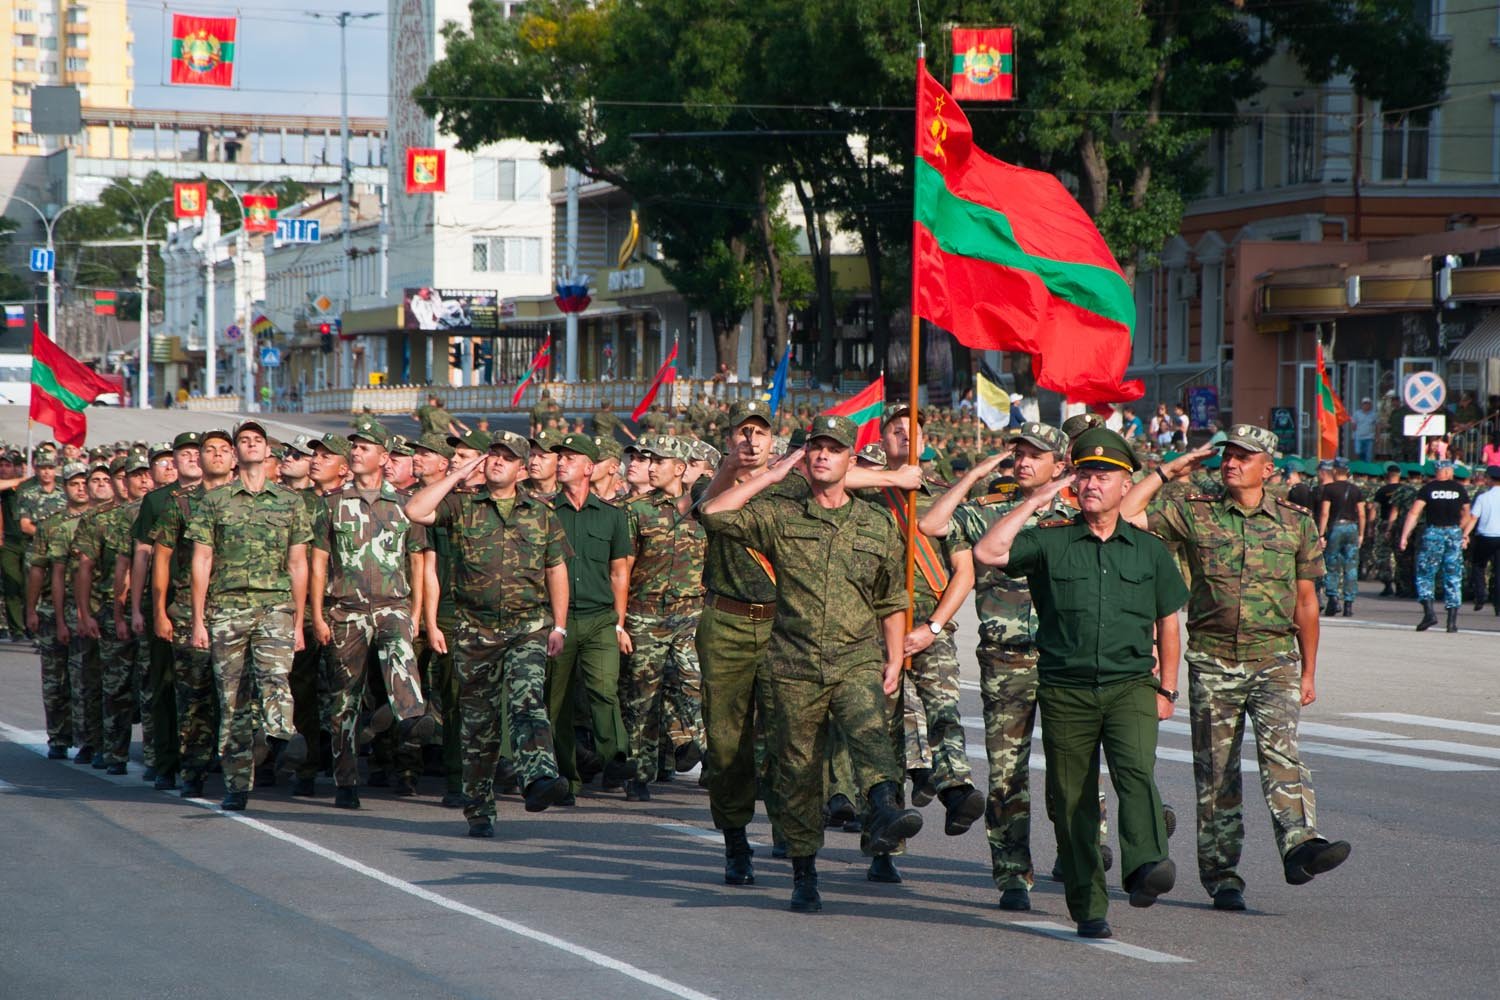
(621, 396)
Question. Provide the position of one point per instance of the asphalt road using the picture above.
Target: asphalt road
(110, 886)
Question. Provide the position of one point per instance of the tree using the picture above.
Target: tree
(13, 286)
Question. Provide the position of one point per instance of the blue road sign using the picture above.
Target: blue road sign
(270, 357)
(298, 231)
(42, 259)
(1424, 392)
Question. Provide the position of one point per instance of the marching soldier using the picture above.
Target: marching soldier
(1341, 521)
(1253, 644)
(65, 727)
(84, 666)
(431, 457)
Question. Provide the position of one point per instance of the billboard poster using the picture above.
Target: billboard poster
(1203, 405)
(451, 309)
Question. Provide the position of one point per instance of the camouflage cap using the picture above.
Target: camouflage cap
(401, 445)
(121, 446)
(643, 444)
(840, 429)
(512, 442)
(1341, 464)
(545, 440)
(301, 444)
(373, 432)
(702, 451)
(897, 412)
(657, 446)
(873, 454)
(250, 425)
(580, 443)
(1043, 436)
(159, 449)
(114, 465)
(14, 457)
(749, 409)
(137, 461)
(476, 439)
(1100, 447)
(73, 470)
(435, 443)
(1080, 422)
(1326, 465)
(608, 447)
(44, 458)
(217, 432)
(1252, 438)
(335, 443)
(187, 439)
(101, 454)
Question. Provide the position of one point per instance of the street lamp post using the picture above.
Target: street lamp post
(48, 224)
(247, 333)
(143, 376)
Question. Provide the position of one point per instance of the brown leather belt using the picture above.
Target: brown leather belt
(754, 612)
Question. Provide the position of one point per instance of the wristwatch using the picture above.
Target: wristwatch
(935, 627)
(1169, 695)
(559, 630)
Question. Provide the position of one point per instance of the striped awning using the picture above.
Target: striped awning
(1482, 343)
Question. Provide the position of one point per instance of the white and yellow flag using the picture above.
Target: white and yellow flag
(991, 402)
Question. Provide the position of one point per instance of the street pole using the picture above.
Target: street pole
(571, 319)
(143, 384)
(48, 224)
(210, 338)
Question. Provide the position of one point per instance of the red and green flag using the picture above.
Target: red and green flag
(1006, 259)
(61, 389)
(865, 409)
(104, 301)
(203, 50)
(538, 366)
(667, 373)
(984, 64)
(1331, 412)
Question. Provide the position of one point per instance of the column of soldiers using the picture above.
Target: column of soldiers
(530, 612)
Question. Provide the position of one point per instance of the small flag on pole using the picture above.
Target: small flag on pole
(189, 199)
(203, 50)
(984, 64)
(991, 402)
(15, 317)
(778, 384)
(866, 409)
(538, 367)
(426, 171)
(667, 373)
(262, 326)
(61, 389)
(1331, 412)
(260, 213)
(104, 301)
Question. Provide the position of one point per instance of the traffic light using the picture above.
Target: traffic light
(325, 336)
(456, 353)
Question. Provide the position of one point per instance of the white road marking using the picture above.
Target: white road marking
(699, 833)
(1062, 932)
(1430, 722)
(1383, 756)
(28, 739)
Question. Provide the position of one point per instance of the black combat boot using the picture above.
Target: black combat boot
(1388, 590)
(805, 898)
(1348, 609)
(1429, 617)
(1452, 619)
(964, 804)
(889, 824)
(838, 811)
(883, 869)
(1333, 606)
(737, 855)
(923, 790)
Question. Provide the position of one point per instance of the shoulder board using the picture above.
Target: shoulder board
(1201, 498)
(1054, 524)
(990, 499)
(1293, 506)
(937, 481)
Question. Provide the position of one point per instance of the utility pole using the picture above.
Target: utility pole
(210, 334)
(343, 17)
(48, 223)
(143, 383)
(570, 261)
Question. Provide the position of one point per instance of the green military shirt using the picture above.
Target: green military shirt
(500, 557)
(153, 506)
(1007, 616)
(1245, 564)
(38, 505)
(734, 570)
(668, 548)
(434, 419)
(368, 543)
(43, 550)
(606, 422)
(839, 574)
(251, 535)
(99, 536)
(598, 534)
(1097, 600)
(176, 506)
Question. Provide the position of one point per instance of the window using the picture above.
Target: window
(25, 139)
(78, 15)
(25, 14)
(76, 64)
(508, 180)
(25, 66)
(20, 90)
(49, 66)
(1403, 148)
(1221, 162)
(78, 41)
(508, 254)
(23, 41)
(1301, 147)
(49, 42)
(20, 114)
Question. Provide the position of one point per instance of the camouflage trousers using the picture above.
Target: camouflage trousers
(1223, 692)
(13, 588)
(502, 672)
(194, 690)
(57, 685)
(799, 703)
(934, 678)
(1341, 557)
(915, 749)
(441, 689)
(1441, 551)
(730, 650)
(661, 679)
(357, 632)
(1007, 690)
(1383, 556)
(145, 700)
(119, 686)
(252, 651)
(88, 692)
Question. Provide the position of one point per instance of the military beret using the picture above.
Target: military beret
(73, 470)
(1252, 438)
(435, 443)
(836, 428)
(511, 442)
(301, 444)
(187, 439)
(1493, 471)
(372, 432)
(476, 439)
(1444, 463)
(608, 446)
(1326, 465)
(1043, 436)
(749, 409)
(1080, 422)
(1341, 463)
(337, 444)
(579, 443)
(1100, 447)
(1393, 467)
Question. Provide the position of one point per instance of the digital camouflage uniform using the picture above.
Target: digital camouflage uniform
(502, 551)
(57, 684)
(661, 676)
(839, 574)
(367, 608)
(83, 653)
(103, 534)
(249, 612)
(1243, 660)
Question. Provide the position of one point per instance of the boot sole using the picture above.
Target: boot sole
(909, 825)
(1323, 862)
(1158, 883)
(553, 795)
(958, 821)
(739, 879)
(807, 907)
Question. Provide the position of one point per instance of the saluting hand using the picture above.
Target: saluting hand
(782, 467)
(1045, 494)
(1191, 460)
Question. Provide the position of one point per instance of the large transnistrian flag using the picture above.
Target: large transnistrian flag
(61, 389)
(1005, 259)
(865, 409)
(203, 50)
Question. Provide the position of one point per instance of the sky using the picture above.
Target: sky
(285, 61)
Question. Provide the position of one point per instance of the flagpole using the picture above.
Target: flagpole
(914, 362)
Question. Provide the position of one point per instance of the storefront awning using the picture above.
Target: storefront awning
(1481, 344)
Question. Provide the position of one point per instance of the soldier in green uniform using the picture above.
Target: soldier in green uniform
(1007, 651)
(431, 456)
(1253, 627)
(363, 562)
(607, 422)
(433, 418)
(65, 728)
(85, 669)
(40, 497)
(511, 597)
(666, 598)
(12, 551)
(249, 584)
(1100, 586)
(607, 483)
(541, 466)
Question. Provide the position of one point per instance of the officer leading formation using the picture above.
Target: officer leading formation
(527, 614)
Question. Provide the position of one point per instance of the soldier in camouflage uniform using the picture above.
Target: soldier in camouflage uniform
(1007, 652)
(249, 583)
(40, 497)
(1253, 627)
(1441, 505)
(365, 554)
(12, 550)
(64, 727)
(1385, 504)
(839, 577)
(511, 597)
(666, 600)
(431, 458)
(84, 667)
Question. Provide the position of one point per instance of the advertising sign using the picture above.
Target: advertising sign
(456, 309)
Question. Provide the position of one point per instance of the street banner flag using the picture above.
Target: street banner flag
(61, 389)
(203, 50)
(262, 326)
(260, 213)
(1331, 412)
(667, 373)
(1005, 259)
(189, 199)
(538, 367)
(426, 171)
(104, 301)
(991, 402)
(15, 317)
(865, 409)
(778, 383)
(984, 66)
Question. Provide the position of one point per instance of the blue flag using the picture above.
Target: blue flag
(778, 384)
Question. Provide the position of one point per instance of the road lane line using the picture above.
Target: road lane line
(699, 833)
(1371, 755)
(1430, 722)
(1062, 932)
(27, 739)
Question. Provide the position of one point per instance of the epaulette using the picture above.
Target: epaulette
(1293, 506)
(990, 499)
(1054, 524)
(1201, 498)
(937, 481)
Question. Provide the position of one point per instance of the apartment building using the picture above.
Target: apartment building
(64, 43)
